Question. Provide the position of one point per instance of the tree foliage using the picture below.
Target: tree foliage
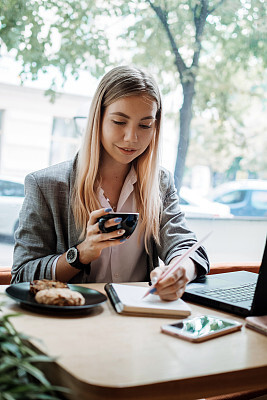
(63, 34)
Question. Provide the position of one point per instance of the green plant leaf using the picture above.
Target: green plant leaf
(20, 378)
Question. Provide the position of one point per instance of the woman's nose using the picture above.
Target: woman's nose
(130, 134)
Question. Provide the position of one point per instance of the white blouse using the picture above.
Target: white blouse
(127, 261)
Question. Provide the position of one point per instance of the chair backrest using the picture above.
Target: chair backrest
(5, 275)
(218, 268)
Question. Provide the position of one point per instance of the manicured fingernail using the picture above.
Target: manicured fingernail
(121, 232)
(123, 240)
(118, 219)
(154, 280)
(108, 209)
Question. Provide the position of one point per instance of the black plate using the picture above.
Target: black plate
(21, 293)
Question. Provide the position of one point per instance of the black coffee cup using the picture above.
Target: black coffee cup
(128, 223)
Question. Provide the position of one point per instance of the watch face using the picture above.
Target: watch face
(71, 255)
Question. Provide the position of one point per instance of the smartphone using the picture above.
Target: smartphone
(200, 328)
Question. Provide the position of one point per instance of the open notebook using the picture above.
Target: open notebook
(127, 299)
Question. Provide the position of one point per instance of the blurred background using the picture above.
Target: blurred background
(209, 59)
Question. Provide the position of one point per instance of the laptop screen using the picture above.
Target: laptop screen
(259, 305)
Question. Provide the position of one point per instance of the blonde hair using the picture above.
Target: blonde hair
(120, 82)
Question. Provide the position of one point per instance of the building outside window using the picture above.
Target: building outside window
(1, 130)
(64, 141)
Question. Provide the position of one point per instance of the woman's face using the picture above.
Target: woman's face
(128, 127)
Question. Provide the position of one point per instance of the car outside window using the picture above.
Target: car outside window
(234, 197)
(259, 199)
(11, 189)
(183, 201)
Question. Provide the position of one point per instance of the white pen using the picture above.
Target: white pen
(175, 266)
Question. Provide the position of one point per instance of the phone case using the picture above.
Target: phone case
(177, 333)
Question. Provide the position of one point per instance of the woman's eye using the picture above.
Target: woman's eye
(145, 126)
(118, 122)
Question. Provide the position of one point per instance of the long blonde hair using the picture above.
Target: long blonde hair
(120, 82)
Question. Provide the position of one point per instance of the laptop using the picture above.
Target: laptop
(241, 292)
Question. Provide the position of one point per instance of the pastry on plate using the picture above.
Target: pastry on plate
(60, 297)
(41, 284)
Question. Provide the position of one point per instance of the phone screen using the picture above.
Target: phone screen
(202, 326)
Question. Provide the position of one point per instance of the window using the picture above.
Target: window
(226, 139)
(64, 143)
(1, 129)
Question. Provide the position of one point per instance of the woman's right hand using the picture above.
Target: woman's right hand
(95, 240)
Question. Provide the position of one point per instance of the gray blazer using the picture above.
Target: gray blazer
(47, 227)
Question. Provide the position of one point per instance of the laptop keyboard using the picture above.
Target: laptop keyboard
(233, 295)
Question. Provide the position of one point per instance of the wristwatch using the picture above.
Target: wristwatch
(72, 257)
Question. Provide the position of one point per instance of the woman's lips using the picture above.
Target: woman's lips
(126, 150)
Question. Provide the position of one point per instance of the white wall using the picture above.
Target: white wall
(27, 126)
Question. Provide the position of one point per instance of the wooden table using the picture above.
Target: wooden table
(104, 355)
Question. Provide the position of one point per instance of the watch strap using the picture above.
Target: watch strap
(77, 264)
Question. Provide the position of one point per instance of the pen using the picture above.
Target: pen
(175, 266)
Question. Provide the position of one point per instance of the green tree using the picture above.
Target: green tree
(62, 34)
(219, 140)
(201, 44)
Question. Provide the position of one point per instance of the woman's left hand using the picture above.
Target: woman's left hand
(173, 285)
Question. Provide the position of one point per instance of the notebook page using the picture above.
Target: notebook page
(131, 296)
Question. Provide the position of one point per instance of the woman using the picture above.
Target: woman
(116, 168)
